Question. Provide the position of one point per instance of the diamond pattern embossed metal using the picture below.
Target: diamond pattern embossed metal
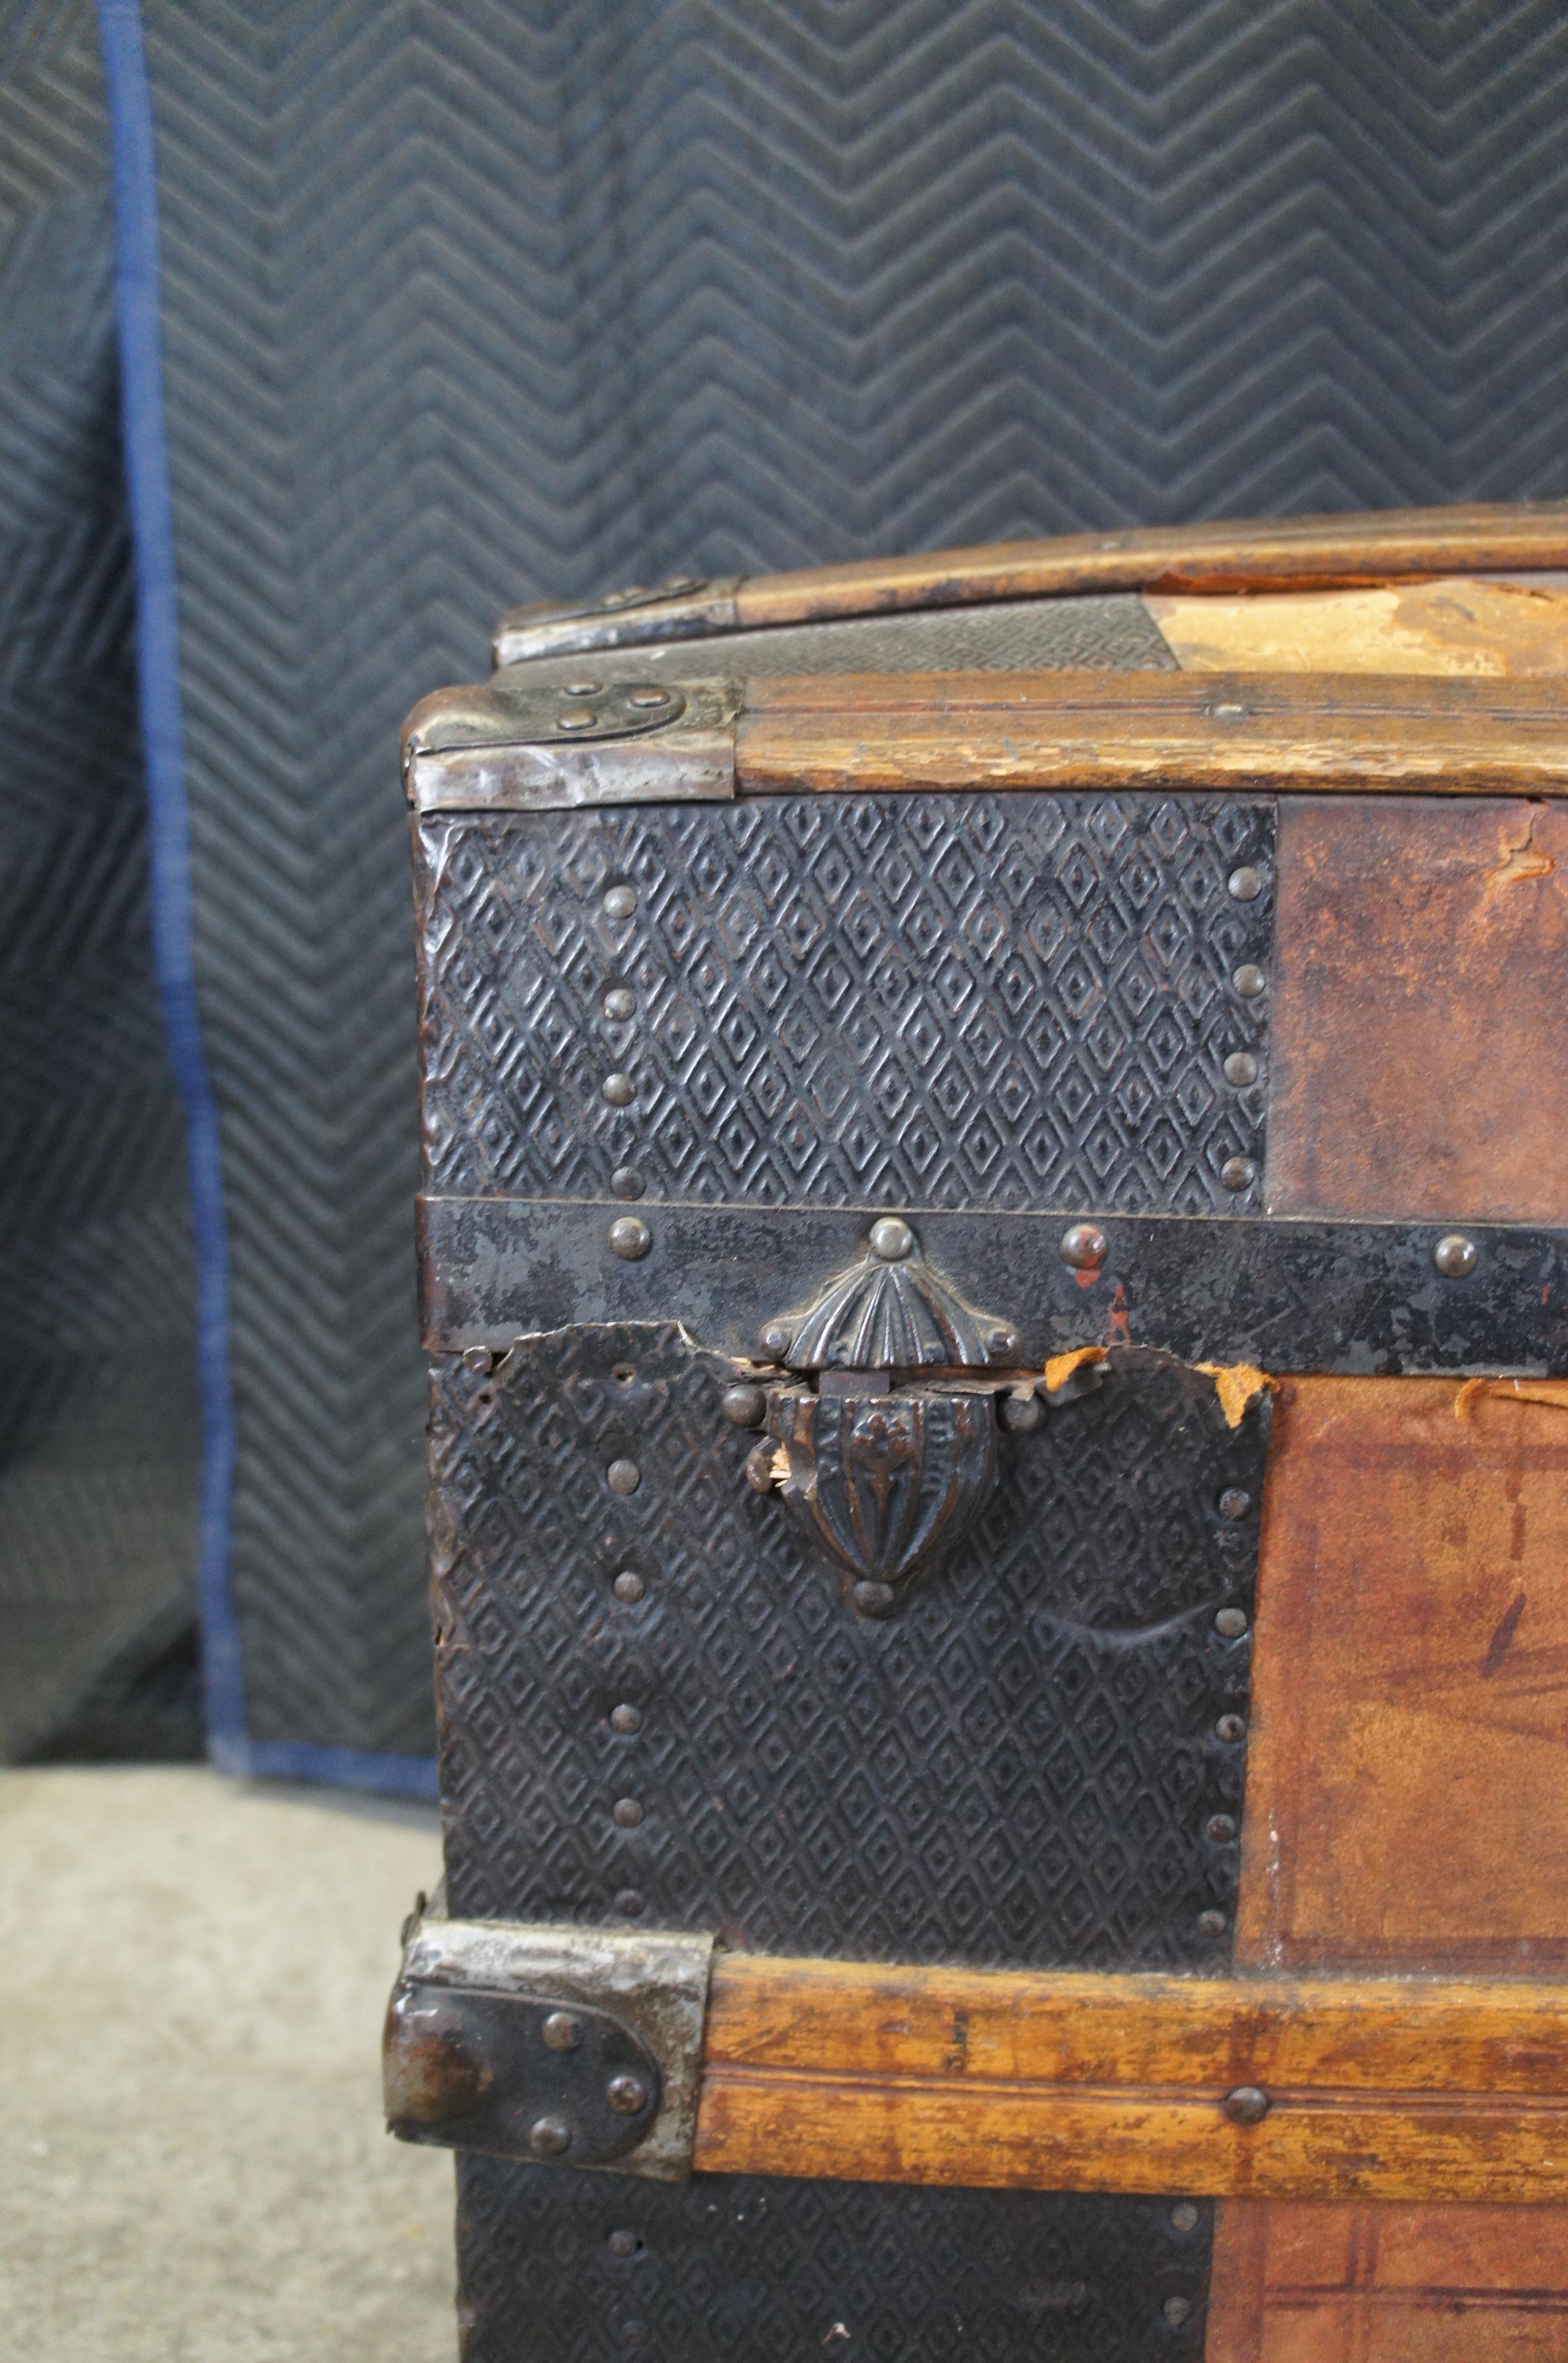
(912, 1000)
(560, 2267)
(1019, 1768)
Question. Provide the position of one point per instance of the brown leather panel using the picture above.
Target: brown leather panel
(1418, 1046)
(1316, 2282)
(1233, 554)
(1457, 625)
(1408, 1772)
(1406, 1808)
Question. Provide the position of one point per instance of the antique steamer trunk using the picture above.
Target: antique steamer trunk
(994, 1265)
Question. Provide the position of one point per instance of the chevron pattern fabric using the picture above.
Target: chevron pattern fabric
(473, 301)
(99, 1434)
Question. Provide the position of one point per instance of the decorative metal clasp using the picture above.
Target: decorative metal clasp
(885, 1472)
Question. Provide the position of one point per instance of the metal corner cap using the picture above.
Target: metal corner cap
(512, 747)
(683, 610)
(655, 1980)
(437, 719)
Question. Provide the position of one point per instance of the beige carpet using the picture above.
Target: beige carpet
(193, 2167)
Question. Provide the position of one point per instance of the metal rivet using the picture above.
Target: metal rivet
(627, 1182)
(627, 2094)
(1021, 1415)
(620, 1003)
(1176, 2311)
(1228, 713)
(1230, 1726)
(744, 1406)
(477, 1358)
(1231, 1623)
(629, 1238)
(582, 718)
(1455, 1257)
(620, 902)
(891, 1239)
(649, 697)
(1240, 1068)
(561, 2031)
(1238, 1173)
(1247, 2106)
(628, 1587)
(626, 1718)
(1211, 1924)
(1220, 1828)
(1085, 1246)
(759, 1468)
(629, 1903)
(776, 1337)
(1249, 980)
(583, 689)
(1184, 2217)
(872, 1599)
(548, 2136)
(1247, 884)
(620, 1089)
(1000, 1343)
(1234, 1502)
(622, 2243)
(622, 1476)
(626, 1813)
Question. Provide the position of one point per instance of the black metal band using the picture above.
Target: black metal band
(1357, 1297)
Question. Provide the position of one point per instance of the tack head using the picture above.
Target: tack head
(1084, 1245)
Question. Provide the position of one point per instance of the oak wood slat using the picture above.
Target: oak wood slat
(1379, 2088)
(1233, 554)
(875, 733)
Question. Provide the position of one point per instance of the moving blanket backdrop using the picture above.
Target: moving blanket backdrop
(464, 303)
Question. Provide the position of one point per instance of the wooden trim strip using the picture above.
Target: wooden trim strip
(855, 734)
(1233, 554)
(1377, 2088)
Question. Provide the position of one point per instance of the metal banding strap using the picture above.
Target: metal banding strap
(1289, 1296)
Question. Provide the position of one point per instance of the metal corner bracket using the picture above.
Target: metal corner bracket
(512, 746)
(564, 2045)
(684, 609)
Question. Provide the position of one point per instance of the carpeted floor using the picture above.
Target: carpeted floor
(194, 2168)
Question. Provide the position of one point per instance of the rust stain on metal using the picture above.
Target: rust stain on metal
(429, 2076)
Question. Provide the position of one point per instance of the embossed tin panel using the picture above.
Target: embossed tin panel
(658, 1706)
(1021, 1767)
(914, 1000)
(557, 2268)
